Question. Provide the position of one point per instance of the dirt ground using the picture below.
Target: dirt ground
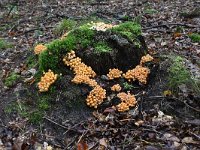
(157, 122)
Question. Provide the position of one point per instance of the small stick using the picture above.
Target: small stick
(171, 24)
(55, 123)
(84, 133)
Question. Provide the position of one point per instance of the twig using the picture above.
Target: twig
(178, 100)
(13, 6)
(152, 130)
(171, 24)
(93, 146)
(55, 123)
(2, 124)
(157, 26)
(187, 104)
(72, 128)
(71, 143)
(197, 136)
(127, 120)
(102, 3)
(31, 30)
(84, 133)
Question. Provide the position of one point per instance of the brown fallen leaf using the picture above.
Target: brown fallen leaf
(82, 146)
(177, 34)
(189, 140)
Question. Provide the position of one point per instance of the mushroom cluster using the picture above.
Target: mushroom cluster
(114, 73)
(48, 79)
(83, 74)
(39, 48)
(101, 26)
(127, 101)
(146, 58)
(78, 79)
(96, 96)
(116, 88)
(78, 67)
(140, 73)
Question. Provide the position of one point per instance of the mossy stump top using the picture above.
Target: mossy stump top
(121, 47)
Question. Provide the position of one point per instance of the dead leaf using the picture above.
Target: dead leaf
(163, 43)
(82, 146)
(109, 110)
(177, 34)
(99, 116)
(188, 140)
(162, 119)
(139, 123)
(170, 137)
(103, 142)
(49, 148)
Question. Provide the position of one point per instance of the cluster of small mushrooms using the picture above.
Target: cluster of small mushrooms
(140, 73)
(116, 88)
(96, 96)
(146, 58)
(83, 74)
(77, 66)
(101, 26)
(127, 100)
(114, 73)
(39, 48)
(48, 79)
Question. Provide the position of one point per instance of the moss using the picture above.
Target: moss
(195, 37)
(84, 35)
(127, 86)
(179, 29)
(102, 47)
(18, 107)
(11, 79)
(32, 61)
(48, 61)
(43, 102)
(52, 57)
(64, 26)
(178, 73)
(128, 29)
(150, 11)
(36, 117)
(4, 44)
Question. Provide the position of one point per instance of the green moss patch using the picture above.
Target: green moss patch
(195, 37)
(32, 61)
(11, 79)
(4, 44)
(102, 47)
(178, 74)
(128, 29)
(81, 37)
(64, 26)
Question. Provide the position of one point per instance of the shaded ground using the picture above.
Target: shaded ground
(27, 23)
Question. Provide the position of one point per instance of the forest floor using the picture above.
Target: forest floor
(159, 121)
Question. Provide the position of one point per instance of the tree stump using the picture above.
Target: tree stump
(125, 53)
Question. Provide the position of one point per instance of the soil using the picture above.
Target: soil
(157, 122)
